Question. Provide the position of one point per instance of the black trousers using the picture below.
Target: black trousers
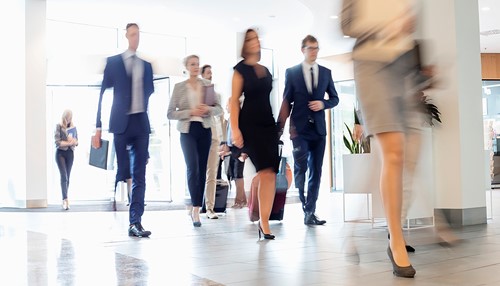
(64, 160)
(196, 146)
(131, 157)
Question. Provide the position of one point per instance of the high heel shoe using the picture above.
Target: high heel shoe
(266, 235)
(406, 272)
(195, 223)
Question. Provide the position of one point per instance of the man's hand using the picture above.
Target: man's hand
(224, 151)
(96, 139)
(316, 105)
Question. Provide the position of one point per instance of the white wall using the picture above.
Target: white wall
(24, 175)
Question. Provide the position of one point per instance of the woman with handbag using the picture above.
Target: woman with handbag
(386, 73)
(188, 105)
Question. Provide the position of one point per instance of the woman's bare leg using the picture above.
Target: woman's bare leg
(267, 186)
(391, 189)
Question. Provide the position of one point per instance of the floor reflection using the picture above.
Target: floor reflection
(66, 264)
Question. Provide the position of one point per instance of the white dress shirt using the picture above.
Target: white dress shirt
(135, 68)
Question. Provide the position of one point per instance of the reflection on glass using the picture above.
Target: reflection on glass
(340, 115)
(491, 118)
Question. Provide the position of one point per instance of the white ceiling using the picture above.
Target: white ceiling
(291, 19)
(489, 20)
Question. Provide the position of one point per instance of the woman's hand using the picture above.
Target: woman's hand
(200, 110)
(357, 132)
(237, 138)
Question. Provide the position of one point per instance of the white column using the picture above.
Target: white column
(24, 173)
(453, 28)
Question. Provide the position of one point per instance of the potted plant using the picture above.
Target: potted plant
(430, 110)
(356, 146)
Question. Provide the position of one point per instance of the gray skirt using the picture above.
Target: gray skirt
(387, 95)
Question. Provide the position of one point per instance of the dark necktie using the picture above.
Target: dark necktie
(310, 119)
(312, 81)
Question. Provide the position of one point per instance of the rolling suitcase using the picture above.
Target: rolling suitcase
(280, 195)
(221, 192)
(283, 182)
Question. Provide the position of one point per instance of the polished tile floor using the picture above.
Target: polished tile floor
(76, 247)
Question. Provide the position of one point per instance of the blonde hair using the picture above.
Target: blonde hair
(186, 59)
(64, 119)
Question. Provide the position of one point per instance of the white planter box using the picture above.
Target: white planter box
(361, 174)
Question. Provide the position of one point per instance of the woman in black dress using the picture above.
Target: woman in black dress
(253, 126)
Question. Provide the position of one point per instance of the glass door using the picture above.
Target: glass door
(165, 172)
(340, 116)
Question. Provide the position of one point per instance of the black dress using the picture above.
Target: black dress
(256, 120)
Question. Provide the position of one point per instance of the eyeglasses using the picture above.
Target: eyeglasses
(311, 48)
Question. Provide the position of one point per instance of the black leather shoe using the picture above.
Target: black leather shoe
(138, 231)
(311, 219)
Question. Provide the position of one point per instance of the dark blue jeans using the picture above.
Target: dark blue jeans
(64, 160)
(131, 157)
(196, 146)
(308, 153)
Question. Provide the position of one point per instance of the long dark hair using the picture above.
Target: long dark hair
(244, 54)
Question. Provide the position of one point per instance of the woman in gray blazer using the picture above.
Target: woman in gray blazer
(187, 105)
(384, 61)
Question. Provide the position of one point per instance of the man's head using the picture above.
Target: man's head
(310, 48)
(206, 72)
(132, 36)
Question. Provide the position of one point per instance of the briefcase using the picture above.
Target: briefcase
(99, 157)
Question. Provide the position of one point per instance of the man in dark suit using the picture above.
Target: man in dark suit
(304, 97)
(132, 80)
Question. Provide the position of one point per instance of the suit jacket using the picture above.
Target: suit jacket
(115, 75)
(296, 98)
(179, 107)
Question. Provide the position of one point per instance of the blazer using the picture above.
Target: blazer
(115, 75)
(381, 43)
(296, 98)
(60, 134)
(179, 107)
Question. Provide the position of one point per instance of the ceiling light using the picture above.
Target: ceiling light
(346, 37)
(490, 32)
(334, 17)
(486, 9)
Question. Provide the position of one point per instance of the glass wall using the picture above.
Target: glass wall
(491, 115)
(91, 183)
(76, 58)
(341, 116)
